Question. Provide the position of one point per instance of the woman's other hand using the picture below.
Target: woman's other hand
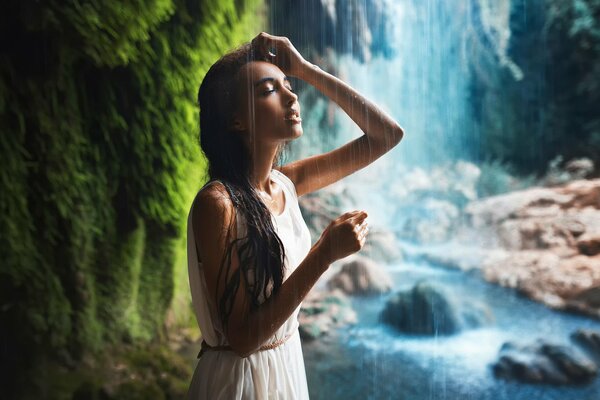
(279, 51)
(345, 235)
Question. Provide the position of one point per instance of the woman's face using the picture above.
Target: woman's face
(268, 109)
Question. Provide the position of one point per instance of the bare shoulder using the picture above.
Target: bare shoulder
(213, 215)
(212, 198)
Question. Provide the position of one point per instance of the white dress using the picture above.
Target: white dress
(276, 373)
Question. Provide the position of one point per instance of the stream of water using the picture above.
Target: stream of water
(372, 361)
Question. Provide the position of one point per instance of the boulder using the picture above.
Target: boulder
(542, 362)
(589, 340)
(561, 283)
(427, 309)
(361, 276)
(551, 243)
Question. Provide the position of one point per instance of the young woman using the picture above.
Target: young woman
(249, 250)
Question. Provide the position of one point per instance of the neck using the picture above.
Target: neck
(263, 156)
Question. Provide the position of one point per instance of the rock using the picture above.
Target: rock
(496, 209)
(584, 193)
(580, 167)
(551, 239)
(321, 311)
(542, 362)
(589, 244)
(589, 340)
(575, 169)
(361, 276)
(427, 309)
(589, 296)
(586, 301)
(560, 283)
(535, 233)
(535, 201)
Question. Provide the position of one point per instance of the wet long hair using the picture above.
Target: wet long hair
(261, 251)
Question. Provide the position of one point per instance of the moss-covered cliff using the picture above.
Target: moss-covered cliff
(99, 165)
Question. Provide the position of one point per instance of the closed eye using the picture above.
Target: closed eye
(272, 90)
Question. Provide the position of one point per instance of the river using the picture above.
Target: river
(372, 361)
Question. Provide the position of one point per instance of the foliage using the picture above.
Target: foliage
(100, 163)
(550, 107)
(143, 371)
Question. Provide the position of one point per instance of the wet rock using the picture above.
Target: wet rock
(322, 311)
(580, 167)
(551, 243)
(560, 172)
(536, 233)
(361, 276)
(496, 209)
(590, 296)
(586, 301)
(561, 283)
(542, 362)
(589, 244)
(427, 309)
(584, 193)
(589, 340)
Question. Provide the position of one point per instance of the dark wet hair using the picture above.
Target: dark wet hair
(261, 251)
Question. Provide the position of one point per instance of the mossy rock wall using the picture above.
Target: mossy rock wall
(100, 162)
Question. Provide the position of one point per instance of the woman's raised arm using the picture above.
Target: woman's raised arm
(381, 132)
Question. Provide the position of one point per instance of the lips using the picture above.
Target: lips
(293, 116)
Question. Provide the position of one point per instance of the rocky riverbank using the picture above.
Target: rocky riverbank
(543, 242)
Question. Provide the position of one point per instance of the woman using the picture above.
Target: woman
(249, 251)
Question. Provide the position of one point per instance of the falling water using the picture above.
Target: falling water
(421, 76)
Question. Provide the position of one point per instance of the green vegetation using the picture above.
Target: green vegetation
(538, 98)
(100, 163)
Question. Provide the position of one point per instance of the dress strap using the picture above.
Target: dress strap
(287, 182)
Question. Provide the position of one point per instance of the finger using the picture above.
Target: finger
(363, 226)
(363, 234)
(363, 240)
(360, 226)
(348, 215)
(359, 217)
(363, 230)
(265, 45)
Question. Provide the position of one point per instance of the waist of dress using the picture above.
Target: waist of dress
(204, 347)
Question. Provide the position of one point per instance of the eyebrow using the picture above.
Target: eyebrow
(269, 79)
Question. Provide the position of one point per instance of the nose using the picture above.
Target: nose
(291, 97)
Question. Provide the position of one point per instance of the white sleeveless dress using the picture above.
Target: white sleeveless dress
(276, 373)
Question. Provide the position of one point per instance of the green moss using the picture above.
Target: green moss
(100, 164)
(128, 372)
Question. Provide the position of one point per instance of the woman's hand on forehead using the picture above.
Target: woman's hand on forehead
(279, 51)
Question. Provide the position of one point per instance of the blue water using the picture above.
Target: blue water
(371, 361)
